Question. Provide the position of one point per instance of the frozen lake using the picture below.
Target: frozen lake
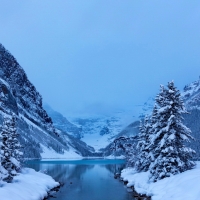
(85, 179)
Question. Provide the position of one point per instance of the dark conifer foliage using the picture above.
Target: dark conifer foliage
(161, 143)
(168, 135)
(11, 155)
(144, 156)
(126, 146)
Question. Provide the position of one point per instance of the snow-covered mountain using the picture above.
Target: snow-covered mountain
(95, 131)
(37, 133)
(50, 134)
(99, 131)
(191, 95)
(62, 123)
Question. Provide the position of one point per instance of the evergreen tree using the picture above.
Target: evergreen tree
(144, 157)
(127, 147)
(169, 135)
(10, 149)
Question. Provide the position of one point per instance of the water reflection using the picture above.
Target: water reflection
(86, 179)
(115, 168)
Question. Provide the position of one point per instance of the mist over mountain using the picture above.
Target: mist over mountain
(45, 132)
(100, 130)
(95, 130)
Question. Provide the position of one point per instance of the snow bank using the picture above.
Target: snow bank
(115, 157)
(179, 187)
(51, 154)
(29, 185)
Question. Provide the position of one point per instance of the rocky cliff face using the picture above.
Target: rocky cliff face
(7, 100)
(37, 133)
(29, 101)
(191, 97)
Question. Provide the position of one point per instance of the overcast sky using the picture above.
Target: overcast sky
(102, 55)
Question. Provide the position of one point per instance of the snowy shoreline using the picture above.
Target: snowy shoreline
(29, 185)
(185, 185)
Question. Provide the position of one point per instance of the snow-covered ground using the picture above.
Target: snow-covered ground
(115, 157)
(183, 186)
(49, 153)
(29, 185)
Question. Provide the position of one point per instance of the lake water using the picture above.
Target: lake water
(85, 179)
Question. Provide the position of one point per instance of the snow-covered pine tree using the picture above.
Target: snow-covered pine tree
(3, 171)
(131, 150)
(10, 149)
(144, 156)
(125, 146)
(169, 136)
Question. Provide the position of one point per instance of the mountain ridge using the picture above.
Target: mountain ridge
(37, 133)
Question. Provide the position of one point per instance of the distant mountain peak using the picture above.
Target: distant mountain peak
(191, 95)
